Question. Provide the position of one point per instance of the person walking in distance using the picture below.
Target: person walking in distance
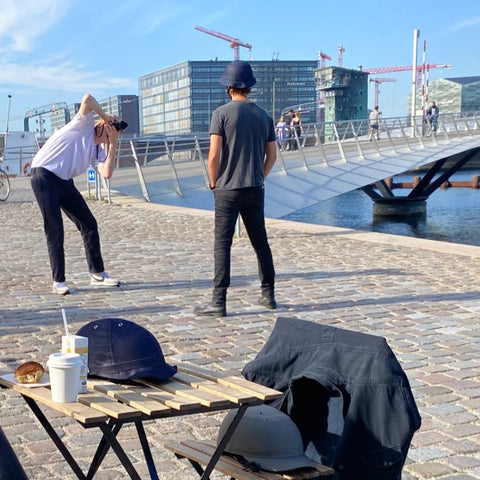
(242, 153)
(432, 116)
(66, 154)
(374, 121)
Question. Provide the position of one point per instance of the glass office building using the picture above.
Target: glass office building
(454, 95)
(182, 97)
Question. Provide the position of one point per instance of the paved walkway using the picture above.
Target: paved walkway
(423, 296)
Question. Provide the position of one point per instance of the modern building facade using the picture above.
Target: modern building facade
(343, 93)
(454, 95)
(182, 97)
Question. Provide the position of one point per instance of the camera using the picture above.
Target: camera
(119, 126)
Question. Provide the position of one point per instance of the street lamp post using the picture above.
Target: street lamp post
(8, 112)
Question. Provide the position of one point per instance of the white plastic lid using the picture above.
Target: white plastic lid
(64, 360)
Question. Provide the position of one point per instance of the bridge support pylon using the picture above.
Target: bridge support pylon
(400, 207)
(386, 204)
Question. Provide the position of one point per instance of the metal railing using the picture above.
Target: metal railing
(174, 158)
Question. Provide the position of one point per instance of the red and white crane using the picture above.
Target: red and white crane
(340, 55)
(377, 82)
(235, 43)
(321, 59)
(405, 68)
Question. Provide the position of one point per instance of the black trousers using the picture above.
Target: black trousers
(55, 195)
(249, 203)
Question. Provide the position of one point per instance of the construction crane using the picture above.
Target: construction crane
(321, 59)
(235, 43)
(340, 55)
(405, 68)
(377, 82)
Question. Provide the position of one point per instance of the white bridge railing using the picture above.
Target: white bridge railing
(174, 158)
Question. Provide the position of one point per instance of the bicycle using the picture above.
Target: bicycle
(4, 185)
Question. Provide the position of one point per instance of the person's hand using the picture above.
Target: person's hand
(110, 118)
(112, 133)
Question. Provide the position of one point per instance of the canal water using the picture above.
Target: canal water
(453, 214)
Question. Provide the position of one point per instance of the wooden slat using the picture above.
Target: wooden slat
(263, 393)
(222, 466)
(234, 395)
(109, 406)
(76, 410)
(184, 390)
(129, 397)
(173, 401)
(239, 383)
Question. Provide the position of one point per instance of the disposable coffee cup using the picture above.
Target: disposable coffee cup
(78, 344)
(64, 372)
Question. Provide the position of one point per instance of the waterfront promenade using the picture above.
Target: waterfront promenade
(422, 296)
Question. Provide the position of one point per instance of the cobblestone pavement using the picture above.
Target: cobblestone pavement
(422, 296)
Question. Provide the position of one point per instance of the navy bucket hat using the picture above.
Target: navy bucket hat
(121, 350)
(238, 74)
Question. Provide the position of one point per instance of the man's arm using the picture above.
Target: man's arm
(89, 104)
(270, 158)
(107, 167)
(214, 158)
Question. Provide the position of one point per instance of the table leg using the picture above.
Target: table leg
(223, 442)
(119, 451)
(102, 450)
(146, 451)
(56, 439)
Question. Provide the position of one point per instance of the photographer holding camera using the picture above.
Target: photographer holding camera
(68, 153)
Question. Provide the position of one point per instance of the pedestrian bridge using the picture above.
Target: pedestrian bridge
(330, 159)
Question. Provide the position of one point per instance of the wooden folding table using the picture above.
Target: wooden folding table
(109, 405)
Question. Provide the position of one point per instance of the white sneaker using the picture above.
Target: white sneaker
(103, 278)
(60, 288)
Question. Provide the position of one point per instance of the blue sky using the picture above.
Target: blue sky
(55, 50)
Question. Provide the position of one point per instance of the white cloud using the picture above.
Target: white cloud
(465, 24)
(22, 22)
(61, 76)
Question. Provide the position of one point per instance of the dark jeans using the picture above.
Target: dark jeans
(249, 203)
(55, 195)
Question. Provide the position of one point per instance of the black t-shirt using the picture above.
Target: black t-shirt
(246, 128)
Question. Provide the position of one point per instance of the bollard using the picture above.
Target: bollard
(475, 183)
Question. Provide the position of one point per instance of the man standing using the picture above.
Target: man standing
(66, 154)
(242, 153)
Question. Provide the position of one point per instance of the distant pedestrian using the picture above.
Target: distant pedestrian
(281, 131)
(296, 128)
(432, 116)
(374, 123)
(66, 154)
(242, 153)
(288, 120)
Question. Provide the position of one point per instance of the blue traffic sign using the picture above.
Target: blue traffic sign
(91, 174)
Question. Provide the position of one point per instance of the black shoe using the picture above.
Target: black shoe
(212, 309)
(268, 302)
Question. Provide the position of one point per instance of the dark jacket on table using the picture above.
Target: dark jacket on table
(346, 392)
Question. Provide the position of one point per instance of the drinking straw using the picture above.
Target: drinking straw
(65, 322)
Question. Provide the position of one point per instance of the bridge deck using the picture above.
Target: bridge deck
(315, 172)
